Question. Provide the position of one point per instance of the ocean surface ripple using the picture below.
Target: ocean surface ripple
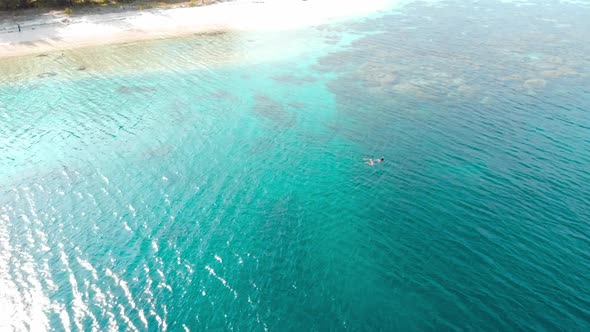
(217, 181)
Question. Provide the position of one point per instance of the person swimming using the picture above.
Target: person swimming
(372, 162)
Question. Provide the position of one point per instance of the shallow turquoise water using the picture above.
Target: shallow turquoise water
(216, 182)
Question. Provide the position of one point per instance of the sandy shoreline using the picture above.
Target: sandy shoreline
(47, 33)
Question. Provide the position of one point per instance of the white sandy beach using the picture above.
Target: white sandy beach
(53, 32)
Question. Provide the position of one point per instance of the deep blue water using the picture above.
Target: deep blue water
(217, 182)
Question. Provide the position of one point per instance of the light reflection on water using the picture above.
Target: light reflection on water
(216, 182)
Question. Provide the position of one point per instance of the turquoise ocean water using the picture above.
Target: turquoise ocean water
(216, 181)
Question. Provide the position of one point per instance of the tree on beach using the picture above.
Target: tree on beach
(61, 4)
(23, 4)
(11, 4)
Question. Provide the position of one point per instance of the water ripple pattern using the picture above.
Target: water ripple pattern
(217, 182)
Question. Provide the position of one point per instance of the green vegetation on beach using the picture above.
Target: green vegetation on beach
(69, 4)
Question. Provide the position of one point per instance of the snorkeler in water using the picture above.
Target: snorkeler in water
(372, 162)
